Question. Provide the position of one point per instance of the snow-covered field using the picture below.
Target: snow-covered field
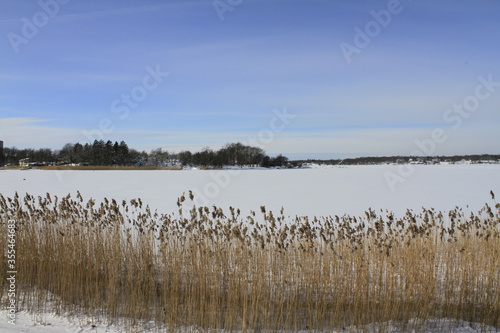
(319, 191)
(50, 323)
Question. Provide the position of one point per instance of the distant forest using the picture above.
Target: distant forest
(102, 153)
(406, 159)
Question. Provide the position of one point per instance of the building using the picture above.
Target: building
(2, 156)
(24, 162)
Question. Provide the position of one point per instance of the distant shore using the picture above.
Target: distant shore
(91, 168)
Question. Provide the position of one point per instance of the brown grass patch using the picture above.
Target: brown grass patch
(98, 168)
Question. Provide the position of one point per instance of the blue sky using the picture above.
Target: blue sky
(234, 65)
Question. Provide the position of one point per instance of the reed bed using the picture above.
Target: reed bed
(209, 269)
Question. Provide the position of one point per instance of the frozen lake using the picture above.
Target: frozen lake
(319, 191)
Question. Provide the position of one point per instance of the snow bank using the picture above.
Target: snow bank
(51, 323)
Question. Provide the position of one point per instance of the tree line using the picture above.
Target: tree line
(107, 153)
(374, 160)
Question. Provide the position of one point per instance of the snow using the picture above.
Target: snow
(51, 323)
(315, 191)
(318, 191)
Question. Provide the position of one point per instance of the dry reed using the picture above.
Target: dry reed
(209, 269)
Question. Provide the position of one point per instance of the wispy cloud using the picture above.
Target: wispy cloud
(33, 133)
(66, 78)
(113, 12)
(226, 77)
